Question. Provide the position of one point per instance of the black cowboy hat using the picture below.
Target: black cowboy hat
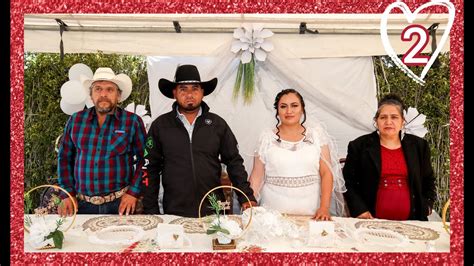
(186, 74)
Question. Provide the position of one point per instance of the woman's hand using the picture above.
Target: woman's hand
(365, 215)
(322, 214)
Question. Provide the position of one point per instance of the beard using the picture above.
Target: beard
(189, 107)
(105, 109)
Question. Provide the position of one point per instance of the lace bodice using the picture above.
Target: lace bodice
(292, 181)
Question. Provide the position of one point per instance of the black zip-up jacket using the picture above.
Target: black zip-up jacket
(189, 169)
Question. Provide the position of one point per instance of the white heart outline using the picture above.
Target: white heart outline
(410, 18)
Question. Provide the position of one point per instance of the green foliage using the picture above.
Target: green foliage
(28, 204)
(215, 204)
(216, 228)
(44, 121)
(247, 73)
(217, 207)
(432, 100)
(57, 235)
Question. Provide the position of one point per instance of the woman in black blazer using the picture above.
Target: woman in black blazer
(388, 174)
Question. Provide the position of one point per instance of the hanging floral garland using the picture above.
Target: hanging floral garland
(252, 45)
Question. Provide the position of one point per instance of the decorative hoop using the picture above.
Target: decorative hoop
(231, 187)
(444, 212)
(63, 190)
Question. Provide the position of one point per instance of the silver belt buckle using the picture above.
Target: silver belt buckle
(97, 200)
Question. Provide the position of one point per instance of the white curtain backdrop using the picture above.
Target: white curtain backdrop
(339, 92)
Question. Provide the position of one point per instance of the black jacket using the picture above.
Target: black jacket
(190, 169)
(362, 171)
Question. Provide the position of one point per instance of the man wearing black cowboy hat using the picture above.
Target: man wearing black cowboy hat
(187, 146)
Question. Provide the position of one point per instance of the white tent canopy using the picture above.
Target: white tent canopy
(340, 35)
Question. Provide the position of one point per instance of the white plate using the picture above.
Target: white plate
(117, 235)
(380, 237)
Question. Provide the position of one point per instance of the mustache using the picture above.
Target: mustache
(104, 100)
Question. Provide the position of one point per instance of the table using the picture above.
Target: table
(76, 239)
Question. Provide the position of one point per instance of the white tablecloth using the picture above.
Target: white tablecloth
(76, 240)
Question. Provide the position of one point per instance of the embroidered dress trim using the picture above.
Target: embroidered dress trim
(298, 181)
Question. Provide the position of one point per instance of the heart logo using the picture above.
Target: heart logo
(410, 18)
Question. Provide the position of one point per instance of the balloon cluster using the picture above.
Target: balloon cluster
(140, 110)
(73, 94)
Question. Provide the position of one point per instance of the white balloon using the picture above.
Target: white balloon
(70, 109)
(73, 92)
(89, 102)
(79, 69)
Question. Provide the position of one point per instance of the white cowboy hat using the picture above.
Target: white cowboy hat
(123, 81)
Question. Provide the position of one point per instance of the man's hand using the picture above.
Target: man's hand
(365, 215)
(127, 204)
(247, 205)
(66, 207)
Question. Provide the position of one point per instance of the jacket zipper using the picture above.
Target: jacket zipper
(193, 169)
(191, 154)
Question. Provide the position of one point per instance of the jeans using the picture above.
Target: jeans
(106, 208)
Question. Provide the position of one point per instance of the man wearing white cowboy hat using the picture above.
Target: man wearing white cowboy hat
(96, 155)
(187, 146)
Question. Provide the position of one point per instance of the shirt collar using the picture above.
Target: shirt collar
(178, 114)
(93, 113)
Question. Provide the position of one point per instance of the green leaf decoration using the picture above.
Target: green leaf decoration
(225, 231)
(58, 238)
(211, 231)
(238, 81)
(249, 81)
(28, 221)
(56, 200)
(247, 73)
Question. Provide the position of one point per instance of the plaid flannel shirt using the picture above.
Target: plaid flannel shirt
(97, 160)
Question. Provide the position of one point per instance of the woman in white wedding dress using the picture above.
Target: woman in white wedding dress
(295, 168)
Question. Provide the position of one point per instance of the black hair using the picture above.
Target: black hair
(275, 105)
(391, 99)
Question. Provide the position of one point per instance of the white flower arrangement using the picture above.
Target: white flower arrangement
(226, 229)
(44, 234)
(268, 224)
(252, 45)
(415, 122)
(231, 227)
(251, 41)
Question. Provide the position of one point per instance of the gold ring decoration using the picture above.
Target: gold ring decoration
(63, 190)
(444, 212)
(231, 187)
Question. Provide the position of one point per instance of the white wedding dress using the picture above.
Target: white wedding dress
(292, 183)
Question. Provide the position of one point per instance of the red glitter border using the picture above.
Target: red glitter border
(19, 8)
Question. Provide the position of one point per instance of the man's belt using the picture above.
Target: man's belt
(99, 200)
